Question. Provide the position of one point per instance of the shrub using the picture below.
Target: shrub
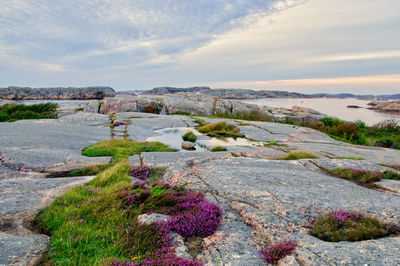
(202, 221)
(219, 148)
(357, 175)
(278, 251)
(189, 136)
(391, 175)
(151, 109)
(331, 122)
(140, 171)
(341, 225)
(13, 112)
(254, 115)
(220, 129)
(296, 155)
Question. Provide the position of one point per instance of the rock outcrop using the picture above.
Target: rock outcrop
(264, 200)
(387, 106)
(27, 93)
(171, 90)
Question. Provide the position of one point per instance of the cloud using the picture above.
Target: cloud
(141, 44)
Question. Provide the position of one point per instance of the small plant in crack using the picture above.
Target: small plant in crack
(335, 226)
(278, 251)
(140, 171)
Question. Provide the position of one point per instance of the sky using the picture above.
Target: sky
(305, 46)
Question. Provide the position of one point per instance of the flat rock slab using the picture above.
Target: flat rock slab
(22, 250)
(38, 144)
(142, 128)
(170, 158)
(280, 199)
(371, 154)
(33, 193)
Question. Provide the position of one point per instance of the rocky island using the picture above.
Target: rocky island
(272, 182)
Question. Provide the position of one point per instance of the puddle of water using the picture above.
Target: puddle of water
(173, 138)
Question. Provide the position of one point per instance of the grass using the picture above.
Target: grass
(254, 115)
(14, 112)
(296, 155)
(89, 225)
(219, 148)
(384, 134)
(189, 136)
(391, 175)
(346, 226)
(220, 130)
(123, 148)
(358, 176)
(350, 158)
(274, 143)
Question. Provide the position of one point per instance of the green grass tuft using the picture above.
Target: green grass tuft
(350, 158)
(296, 155)
(219, 148)
(361, 177)
(123, 148)
(220, 130)
(189, 136)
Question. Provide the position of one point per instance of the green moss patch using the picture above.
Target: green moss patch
(219, 148)
(189, 136)
(123, 148)
(296, 155)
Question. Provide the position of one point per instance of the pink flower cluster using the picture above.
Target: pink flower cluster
(140, 171)
(279, 251)
(354, 171)
(342, 216)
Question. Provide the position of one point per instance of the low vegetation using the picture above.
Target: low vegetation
(123, 148)
(274, 143)
(350, 158)
(279, 251)
(297, 155)
(253, 115)
(341, 225)
(364, 177)
(218, 148)
(384, 134)
(189, 136)
(97, 224)
(220, 130)
(14, 112)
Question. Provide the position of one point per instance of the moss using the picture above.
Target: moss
(219, 148)
(220, 130)
(329, 228)
(189, 136)
(296, 155)
(274, 143)
(123, 148)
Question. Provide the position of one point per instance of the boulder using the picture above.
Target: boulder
(187, 145)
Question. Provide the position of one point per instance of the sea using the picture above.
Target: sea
(332, 107)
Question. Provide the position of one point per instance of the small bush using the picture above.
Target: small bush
(357, 175)
(219, 148)
(391, 175)
(13, 112)
(119, 123)
(140, 171)
(296, 155)
(341, 225)
(220, 129)
(278, 251)
(153, 109)
(189, 136)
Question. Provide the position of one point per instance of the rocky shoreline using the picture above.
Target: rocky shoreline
(391, 107)
(264, 199)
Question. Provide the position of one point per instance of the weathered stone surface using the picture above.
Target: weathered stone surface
(187, 145)
(146, 219)
(386, 106)
(279, 199)
(26, 93)
(22, 250)
(38, 144)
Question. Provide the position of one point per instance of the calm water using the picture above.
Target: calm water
(332, 107)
